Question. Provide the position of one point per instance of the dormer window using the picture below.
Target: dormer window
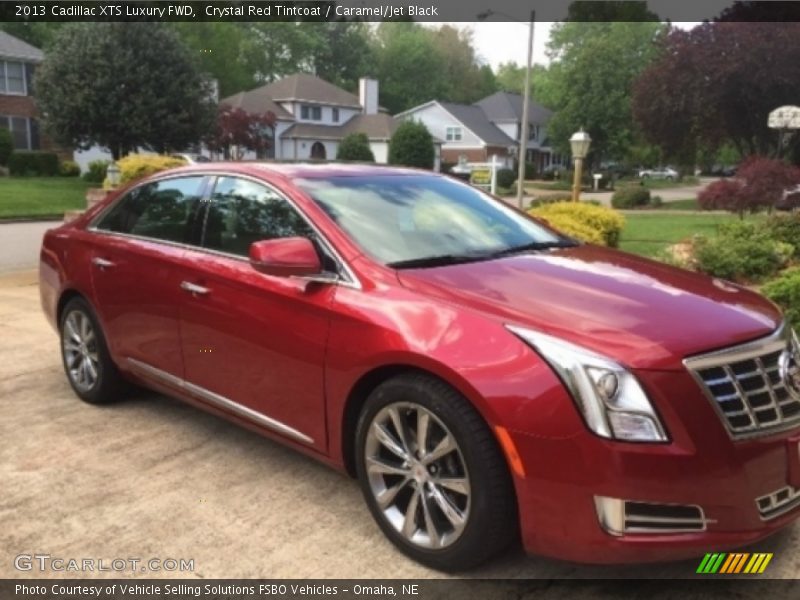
(335, 115)
(311, 113)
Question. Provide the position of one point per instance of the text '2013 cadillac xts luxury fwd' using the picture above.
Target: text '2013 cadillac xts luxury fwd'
(485, 378)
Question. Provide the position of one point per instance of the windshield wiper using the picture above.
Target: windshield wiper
(436, 261)
(533, 246)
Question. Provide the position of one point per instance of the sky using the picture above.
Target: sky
(503, 42)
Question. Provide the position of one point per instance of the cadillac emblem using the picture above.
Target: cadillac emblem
(789, 369)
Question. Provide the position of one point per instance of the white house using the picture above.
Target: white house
(490, 127)
(312, 116)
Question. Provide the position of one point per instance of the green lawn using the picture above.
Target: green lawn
(41, 196)
(649, 233)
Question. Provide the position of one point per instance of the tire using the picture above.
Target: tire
(82, 344)
(477, 491)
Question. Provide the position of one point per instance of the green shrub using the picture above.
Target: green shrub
(355, 146)
(785, 228)
(505, 178)
(69, 168)
(96, 172)
(6, 145)
(742, 252)
(606, 222)
(785, 291)
(412, 146)
(631, 197)
(530, 171)
(33, 163)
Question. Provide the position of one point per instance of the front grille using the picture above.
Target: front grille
(778, 502)
(747, 384)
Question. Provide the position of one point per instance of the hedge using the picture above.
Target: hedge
(33, 163)
(575, 218)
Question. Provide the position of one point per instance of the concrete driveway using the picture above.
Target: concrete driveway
(153, 478)
(20, 243)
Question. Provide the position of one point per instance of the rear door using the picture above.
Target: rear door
(140, 244)
(253, 344)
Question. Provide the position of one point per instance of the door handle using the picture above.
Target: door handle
(102, 262)
(194, 289)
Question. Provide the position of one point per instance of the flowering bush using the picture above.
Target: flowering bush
(135, 166)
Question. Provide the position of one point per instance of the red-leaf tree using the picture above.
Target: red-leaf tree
(760, 183)
(719, 82)
(237, 131)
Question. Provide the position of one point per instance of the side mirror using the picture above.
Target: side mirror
(285, 257)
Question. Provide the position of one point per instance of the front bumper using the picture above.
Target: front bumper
(701, 466)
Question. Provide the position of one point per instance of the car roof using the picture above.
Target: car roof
(302, 170)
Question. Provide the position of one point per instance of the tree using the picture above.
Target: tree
(123, 85)
(760, 183)
(718, 83)
(465, 79)
(342, 52)
(355, 146)
(593, 68)
(218, 47)
(37, 33)
(237, 131)
(412, 146)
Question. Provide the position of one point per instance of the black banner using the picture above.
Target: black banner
(425, 589)
(399, 10)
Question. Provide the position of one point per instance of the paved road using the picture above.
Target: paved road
(152, 477)
(20, 243)
(667, 194)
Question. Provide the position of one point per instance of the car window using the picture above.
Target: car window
(243, 211)
(164, 210)
(402, 218)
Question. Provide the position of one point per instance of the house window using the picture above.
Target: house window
(335, 115)
(12, 78)
(311, 113)
(20, 128)
(453, 134)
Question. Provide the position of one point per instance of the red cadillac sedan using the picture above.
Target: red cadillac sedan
(484, 377)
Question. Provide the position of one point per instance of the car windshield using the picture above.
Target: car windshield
(409, 221)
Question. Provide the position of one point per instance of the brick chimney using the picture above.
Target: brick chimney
(368, 95)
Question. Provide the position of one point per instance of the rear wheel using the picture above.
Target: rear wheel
(432, 474)
(89, 368)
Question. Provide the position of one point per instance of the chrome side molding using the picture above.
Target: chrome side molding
(219, 401)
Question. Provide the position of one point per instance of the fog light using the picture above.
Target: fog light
(631, 426)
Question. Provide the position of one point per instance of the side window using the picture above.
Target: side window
(164, 210)
(243, 212)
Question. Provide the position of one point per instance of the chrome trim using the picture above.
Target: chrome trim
(220, 401)
(616, 519)
(350, 280)
(194, 288)
(777, 508)
(102, 262)
(777, 341)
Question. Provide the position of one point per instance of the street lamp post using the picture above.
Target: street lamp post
(579, 143)
(524, 126)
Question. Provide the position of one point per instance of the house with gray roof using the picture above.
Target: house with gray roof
(312, 116)
(18, 61)
(489, 127)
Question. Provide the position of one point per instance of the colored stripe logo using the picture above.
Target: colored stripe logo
(734, 562)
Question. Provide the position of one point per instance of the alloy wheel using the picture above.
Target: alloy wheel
(417, 475)
(79, 344)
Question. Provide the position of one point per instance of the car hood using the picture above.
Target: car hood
(642, 313)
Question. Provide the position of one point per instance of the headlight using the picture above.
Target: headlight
(610, 398)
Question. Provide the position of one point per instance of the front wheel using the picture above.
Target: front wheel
(432, 474)
(91, 372)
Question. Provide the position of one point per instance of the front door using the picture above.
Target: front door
(254, 345)
(139, 247)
